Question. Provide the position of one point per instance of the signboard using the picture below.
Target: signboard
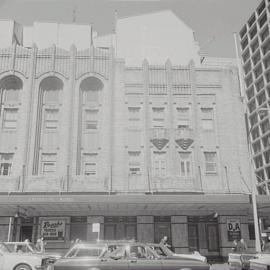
(234, 229)
(53, 230)
(96, 227)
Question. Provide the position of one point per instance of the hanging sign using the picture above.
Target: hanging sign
(234, 229)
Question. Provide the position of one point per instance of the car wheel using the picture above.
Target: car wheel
(23, 267)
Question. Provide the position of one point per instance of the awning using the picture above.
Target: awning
(127, 204)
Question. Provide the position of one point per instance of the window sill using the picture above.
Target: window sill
(211, 173)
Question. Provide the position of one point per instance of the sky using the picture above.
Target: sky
(213, 21)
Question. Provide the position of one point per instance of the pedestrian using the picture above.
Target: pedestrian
(42, 245)
(235, 243)
(242, 246)
(164, 241)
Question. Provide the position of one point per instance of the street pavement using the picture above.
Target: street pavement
(221, 266)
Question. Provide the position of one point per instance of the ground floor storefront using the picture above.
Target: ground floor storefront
(206, 223)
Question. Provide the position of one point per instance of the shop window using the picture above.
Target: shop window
(10, 119)
(207, 118)
(193, 237)
(51, 119)
(210, 162)
(78, 228)
(251, 231)
(183, 118)
(6, 164)
(90, 120)
(158, 117)
(212, 237)
(48, 164)
(134, 163)
(185, 164)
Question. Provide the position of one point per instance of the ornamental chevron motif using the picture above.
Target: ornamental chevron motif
(184, 143)
(159, 143)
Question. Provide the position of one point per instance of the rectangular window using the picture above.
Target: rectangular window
(10, 119)
(6, 164)
(210, 162)
(134, 163)
(51, 119)
(182, 118)
(48, 164)
(90, 168)
(91, 119)
(207, 118)
(185, 164)
(133, 116)
(160, 168)
(90, 164)
(158, 117)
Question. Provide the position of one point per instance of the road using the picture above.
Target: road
(221, 266)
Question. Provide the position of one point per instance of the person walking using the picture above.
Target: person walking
(242, 246)
(164, 241)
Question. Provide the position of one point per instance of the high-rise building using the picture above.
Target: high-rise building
(255, 51)
(137, 149)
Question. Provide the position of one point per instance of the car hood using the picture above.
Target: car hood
(191, 256)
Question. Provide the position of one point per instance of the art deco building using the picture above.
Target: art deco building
(99, 135)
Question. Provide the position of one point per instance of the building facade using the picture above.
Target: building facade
(94, 148)
(255, 47)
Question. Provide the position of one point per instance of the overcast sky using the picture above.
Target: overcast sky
(213, 21)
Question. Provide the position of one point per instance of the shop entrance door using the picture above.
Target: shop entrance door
(26, 232)
(109, 231)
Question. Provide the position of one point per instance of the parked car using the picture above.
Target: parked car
(164, 251)
(21, 261)
(261, 263)
(249, 260)
(121, 255)
(28, 247)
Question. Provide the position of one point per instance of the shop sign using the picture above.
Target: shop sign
(96, 227)
(53, 230)
(233, 229)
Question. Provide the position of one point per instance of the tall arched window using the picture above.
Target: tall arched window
(48, 119)
(89, 122)
(10, 91)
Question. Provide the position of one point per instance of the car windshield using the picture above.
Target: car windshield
(166, 250)
(33, 247)
(85, 251)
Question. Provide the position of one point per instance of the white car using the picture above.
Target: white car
(166, 252)
(21, 261)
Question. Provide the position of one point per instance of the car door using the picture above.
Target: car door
(141, 257)
(115, 258)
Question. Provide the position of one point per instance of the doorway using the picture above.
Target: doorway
(26, 232)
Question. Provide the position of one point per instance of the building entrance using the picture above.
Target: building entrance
(119, 228)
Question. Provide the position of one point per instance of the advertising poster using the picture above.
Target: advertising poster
(234, 229)
(53, 230)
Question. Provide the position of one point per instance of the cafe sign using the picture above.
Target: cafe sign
(53, 230)
(234, 229)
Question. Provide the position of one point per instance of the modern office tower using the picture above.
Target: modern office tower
(255, 50)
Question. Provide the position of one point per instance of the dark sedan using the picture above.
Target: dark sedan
(121, 256)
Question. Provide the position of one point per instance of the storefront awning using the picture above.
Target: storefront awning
(123, 204)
